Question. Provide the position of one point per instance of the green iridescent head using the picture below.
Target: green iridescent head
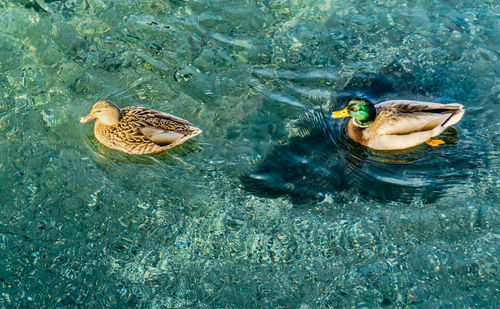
(361, 110)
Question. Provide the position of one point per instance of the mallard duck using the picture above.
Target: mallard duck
(398, 124)
(138, 130)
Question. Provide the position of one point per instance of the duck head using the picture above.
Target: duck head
(108, 113)
(363, 112)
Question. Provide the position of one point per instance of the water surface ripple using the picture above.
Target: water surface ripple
(272, 206)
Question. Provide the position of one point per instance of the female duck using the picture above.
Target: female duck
(398, 124)
(138, 130)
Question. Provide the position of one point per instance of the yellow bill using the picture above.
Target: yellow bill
(341, 114)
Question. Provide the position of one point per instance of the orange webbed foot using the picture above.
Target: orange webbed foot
(434, 142)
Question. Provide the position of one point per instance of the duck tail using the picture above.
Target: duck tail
(194, 131)
(454, 117)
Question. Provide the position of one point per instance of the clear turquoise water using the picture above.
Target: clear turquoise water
(272, 206)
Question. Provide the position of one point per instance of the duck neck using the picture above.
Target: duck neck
(365, 123)
(111, 118)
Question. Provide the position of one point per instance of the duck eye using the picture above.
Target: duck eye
(354, 109)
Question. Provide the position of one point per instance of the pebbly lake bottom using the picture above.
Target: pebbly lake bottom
(272, 206)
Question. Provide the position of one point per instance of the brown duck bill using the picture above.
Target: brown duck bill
(86, 118)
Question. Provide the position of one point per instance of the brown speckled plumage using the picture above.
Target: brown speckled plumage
(138, 130)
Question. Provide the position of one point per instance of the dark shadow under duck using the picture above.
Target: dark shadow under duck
(322, 160)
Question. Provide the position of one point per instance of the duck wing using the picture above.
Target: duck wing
(403, 117)
(147, 113)
(161, 128)
(160, 136)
